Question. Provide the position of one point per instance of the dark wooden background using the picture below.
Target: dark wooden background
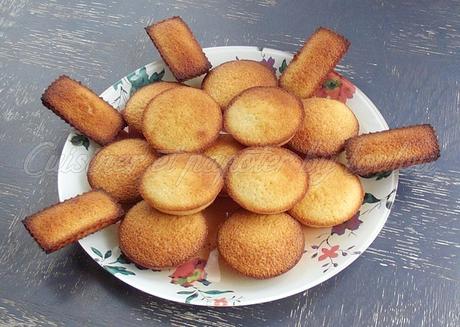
(405, 56)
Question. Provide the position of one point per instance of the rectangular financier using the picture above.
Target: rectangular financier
(311, 64)
(83, 109)
(67, 222)
(393, 149)
(178, 48)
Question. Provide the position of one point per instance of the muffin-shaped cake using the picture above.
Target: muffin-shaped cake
(157, 240)
(333, 197)
(181, 184)
(216, 214)
(262, 116)
(134, 109)
(261, 246)
(223, 150)
(266, 180)
(326, 126)
(225, 81)
(118, 167)
(181, 119)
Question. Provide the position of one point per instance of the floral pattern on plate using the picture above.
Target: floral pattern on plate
(336, 87)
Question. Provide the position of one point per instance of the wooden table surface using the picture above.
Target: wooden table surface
(405, 56)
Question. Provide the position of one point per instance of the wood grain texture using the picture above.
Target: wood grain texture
(404, 56)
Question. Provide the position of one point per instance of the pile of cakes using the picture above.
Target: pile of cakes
(267, 144)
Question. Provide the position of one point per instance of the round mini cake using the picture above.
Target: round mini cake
(261, 246)
(118, 167)
(156, 240)
(216, 214)
(266, 180)
(136, 104)
(333, 197)
(181, 184)
(326, 126)
(225, 81)
(223, 150)
(263, 115)
(181, 119)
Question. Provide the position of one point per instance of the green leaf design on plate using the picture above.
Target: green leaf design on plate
(180, 281)
(193, 277)
(115, 86)
(370, 198)
(140, 78)
(97, 252)
(331, 84)
(185, 292)
(191, 297)
(389, 204)
(122, 259)
(205, 282)
(118, 270)
(156, 76)
(283, 66)
(215, 292)
(79, 139)
(108, 254)
(381, 175)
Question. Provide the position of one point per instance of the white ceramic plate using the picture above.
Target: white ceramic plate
(207, 281)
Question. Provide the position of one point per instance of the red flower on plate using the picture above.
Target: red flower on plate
(190, 272)
(335, 86)
(329, 253)
(221, 302)
(352, 224)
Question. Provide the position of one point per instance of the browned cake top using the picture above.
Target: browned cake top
(83, 109)
(263, 115)
(333, 197)
(181, 182)
(181, 119)
(156, 240)
(266, 180)
(72, 219)
(261, 246)
(179, 48)
(223, 150)
(216, 214)
(118, 167)
(229, 79)
(319, 55)
(392, 149)
(135, 106)
(327, 125)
